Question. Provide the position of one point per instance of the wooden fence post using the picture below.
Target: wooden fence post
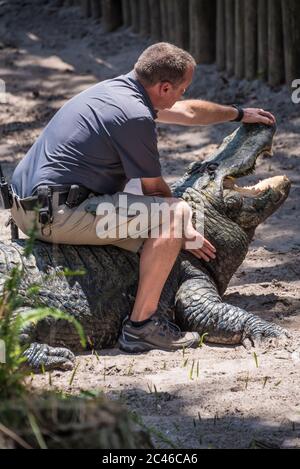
(250, 39)
(86, 8)
(164, 20)
(262, 24)
(239, 60)
(171, 21)
(111, 14)
(203, 30)
(221, 49)
(155, 20)
(181, 20)
(96, 8)
(229, 21)
(144, 27)
(291, 33)
(126, 11)
(276, 72)
(135, 15)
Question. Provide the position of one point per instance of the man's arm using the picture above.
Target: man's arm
(198, 112)
(156, 186)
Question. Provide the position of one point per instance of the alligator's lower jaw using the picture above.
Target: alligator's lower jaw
(258, 189)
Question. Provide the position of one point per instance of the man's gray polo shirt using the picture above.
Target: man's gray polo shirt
(100, 139)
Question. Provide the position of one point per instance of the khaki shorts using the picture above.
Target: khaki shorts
(80, 225)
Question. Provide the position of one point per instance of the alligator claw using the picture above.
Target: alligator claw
(42, 356)
(265, 335)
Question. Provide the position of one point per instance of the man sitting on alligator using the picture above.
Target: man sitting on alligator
(92, 146)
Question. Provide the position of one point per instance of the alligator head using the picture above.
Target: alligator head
(231, 212)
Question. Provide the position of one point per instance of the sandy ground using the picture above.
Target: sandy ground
(213, 397)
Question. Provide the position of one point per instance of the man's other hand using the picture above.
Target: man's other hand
(207, 252)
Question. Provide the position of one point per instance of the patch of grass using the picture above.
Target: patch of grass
(255, 359)
(202, 339)
(73, 374)
(94, 352)
(36, 431)
(266, 378)
(192, 370)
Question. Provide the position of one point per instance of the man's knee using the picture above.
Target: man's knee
(175, 218)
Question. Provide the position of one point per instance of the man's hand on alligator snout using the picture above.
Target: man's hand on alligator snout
(207, 252)
(258, 116)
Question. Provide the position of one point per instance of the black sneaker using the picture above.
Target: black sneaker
(158, 333)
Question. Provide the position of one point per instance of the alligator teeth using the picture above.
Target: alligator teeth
(248, 191)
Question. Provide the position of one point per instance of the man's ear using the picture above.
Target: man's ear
(164, 88)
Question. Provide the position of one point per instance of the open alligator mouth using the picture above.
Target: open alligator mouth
(256, 190)
(235, 159)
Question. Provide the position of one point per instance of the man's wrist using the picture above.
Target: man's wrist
(240, 113)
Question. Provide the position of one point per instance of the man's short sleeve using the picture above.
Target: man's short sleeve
(136, 143)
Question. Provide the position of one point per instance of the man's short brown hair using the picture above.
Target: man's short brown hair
(163, 62)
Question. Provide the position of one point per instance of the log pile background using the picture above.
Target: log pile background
(252, 39)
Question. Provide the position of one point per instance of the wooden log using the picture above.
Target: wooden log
(86, 8)
(164, 20)
(202, 30)
(126, 12)
(262, 34)
(229, 22)
(220, 39)
(193, 17)
(135, 15)
(171, 21)
(155, 20)
(239, 60)
(144, 27)
(276, 72)
(96, 8)
(181, 20)
(250, 39)
(291, 35)
(111, 14)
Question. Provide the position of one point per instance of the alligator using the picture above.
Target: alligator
(192, 295)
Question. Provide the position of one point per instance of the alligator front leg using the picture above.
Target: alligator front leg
(40, 356)
(199, 308)
(43, 357)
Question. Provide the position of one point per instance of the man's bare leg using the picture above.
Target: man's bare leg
(145, 330)
(153, 272)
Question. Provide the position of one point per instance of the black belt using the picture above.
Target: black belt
(30, 203)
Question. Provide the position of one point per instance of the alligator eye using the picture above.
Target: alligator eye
(211, 168)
